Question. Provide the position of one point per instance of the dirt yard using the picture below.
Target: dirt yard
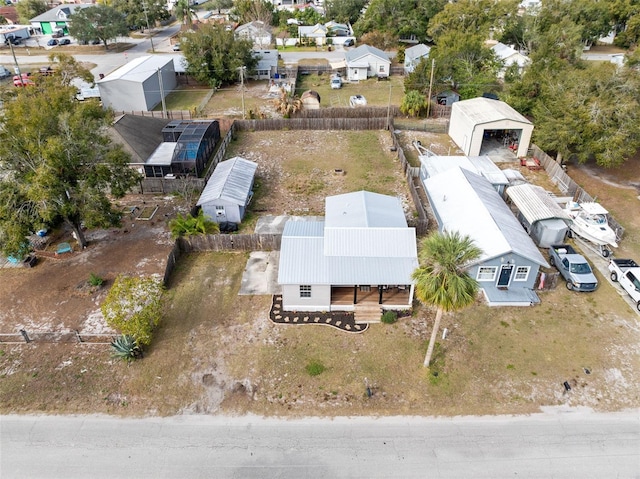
(215, 351)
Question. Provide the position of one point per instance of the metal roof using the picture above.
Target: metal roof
(60, 13)
(535, 204)
(364, 209)
(139, 69)
(417, 51)
(163, 154)
(485, 110)
(230, 181)
(362, 51)
(363, 240)
(468, 203)
(482, 165)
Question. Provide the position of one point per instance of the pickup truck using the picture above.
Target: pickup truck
(573, 267)
(627, 272)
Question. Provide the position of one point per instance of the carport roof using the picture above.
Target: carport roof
(485, 110)
(535, 204)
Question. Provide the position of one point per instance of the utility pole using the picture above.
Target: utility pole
(389, 105)
(433, 67)
(164, 105)
(242, 69)
(144, 7)
(15, 60)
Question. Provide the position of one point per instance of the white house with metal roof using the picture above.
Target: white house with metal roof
(361, 256)
(507, 270)
(414, 55)
(482, 120)
(366, 61)
(509, 56)
(431, 165)
(57, 18)
(540, 214)
(229, 190)
(138, 85)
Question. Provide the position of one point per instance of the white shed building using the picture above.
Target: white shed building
(138, 85)
(229, 190)
(479, 119)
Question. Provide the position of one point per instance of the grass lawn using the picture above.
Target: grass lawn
(376, 92)
(184, 98)
(227, 101)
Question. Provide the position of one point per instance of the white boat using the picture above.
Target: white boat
(589, 221)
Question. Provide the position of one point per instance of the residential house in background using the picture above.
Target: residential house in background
(58, 18)
(366, 61)
(139, 85)
(229, 190)
(267, 64)
(414, 55)
(316, 34)
(257, 32)
(509, 56)
(445, 98)
(467, 203)
(361, 256)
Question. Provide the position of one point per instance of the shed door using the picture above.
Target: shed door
(221, 214)
(505, 275)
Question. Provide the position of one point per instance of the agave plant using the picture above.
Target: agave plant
(125, 347)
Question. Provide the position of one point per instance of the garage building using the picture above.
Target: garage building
(480, 122)
(139, 85)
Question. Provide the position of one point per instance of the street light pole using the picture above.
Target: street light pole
(144, 7)
(242, 69)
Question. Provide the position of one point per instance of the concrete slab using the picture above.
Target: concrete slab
(275, 224)
(260, 276)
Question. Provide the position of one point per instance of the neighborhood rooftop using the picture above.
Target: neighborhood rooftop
(485, 110)
(138, 69)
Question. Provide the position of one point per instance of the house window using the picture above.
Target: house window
(218, 207)
(263, 73)
(487, 273)
(381, 69)
(522, 273)
(305, 291)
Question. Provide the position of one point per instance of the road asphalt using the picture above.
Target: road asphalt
(559, 443)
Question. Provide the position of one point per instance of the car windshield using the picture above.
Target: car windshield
(580, 268)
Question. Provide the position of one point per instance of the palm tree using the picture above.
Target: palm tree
(441, 281)
(288, 104)
(184, 12)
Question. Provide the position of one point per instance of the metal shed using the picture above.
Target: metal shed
(479, 121)
(229, 190)
(540, 214)
(138, 85)
(482, 165)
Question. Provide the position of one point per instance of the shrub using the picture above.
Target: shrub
(95, 280)
(389, 317)
(315, 368)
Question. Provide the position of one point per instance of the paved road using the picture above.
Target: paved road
(559, 443)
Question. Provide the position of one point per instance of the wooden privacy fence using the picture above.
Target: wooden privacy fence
(219, 155)
(567, 186)
(73, 336)
(360, 112)
(171, 114)
(224, 242)
(312, 124)
(421, 223)
(170, 185)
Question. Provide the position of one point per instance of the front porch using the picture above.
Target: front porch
(387, 297)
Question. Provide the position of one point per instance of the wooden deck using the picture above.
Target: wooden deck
(341, 296)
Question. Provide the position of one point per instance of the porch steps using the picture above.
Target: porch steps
(367, 313)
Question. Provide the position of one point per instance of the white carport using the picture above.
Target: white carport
(479, 119)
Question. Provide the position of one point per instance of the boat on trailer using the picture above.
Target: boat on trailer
(589, 221)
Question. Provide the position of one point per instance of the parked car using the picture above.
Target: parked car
(4, 73)
(45, 70)
(25, 81)
(336, 82)
(349, 42)
(52, 43)
(64, 41)
(357, 100)
(58, 34)
(627, 273)
(176, 47)
(573, 267)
